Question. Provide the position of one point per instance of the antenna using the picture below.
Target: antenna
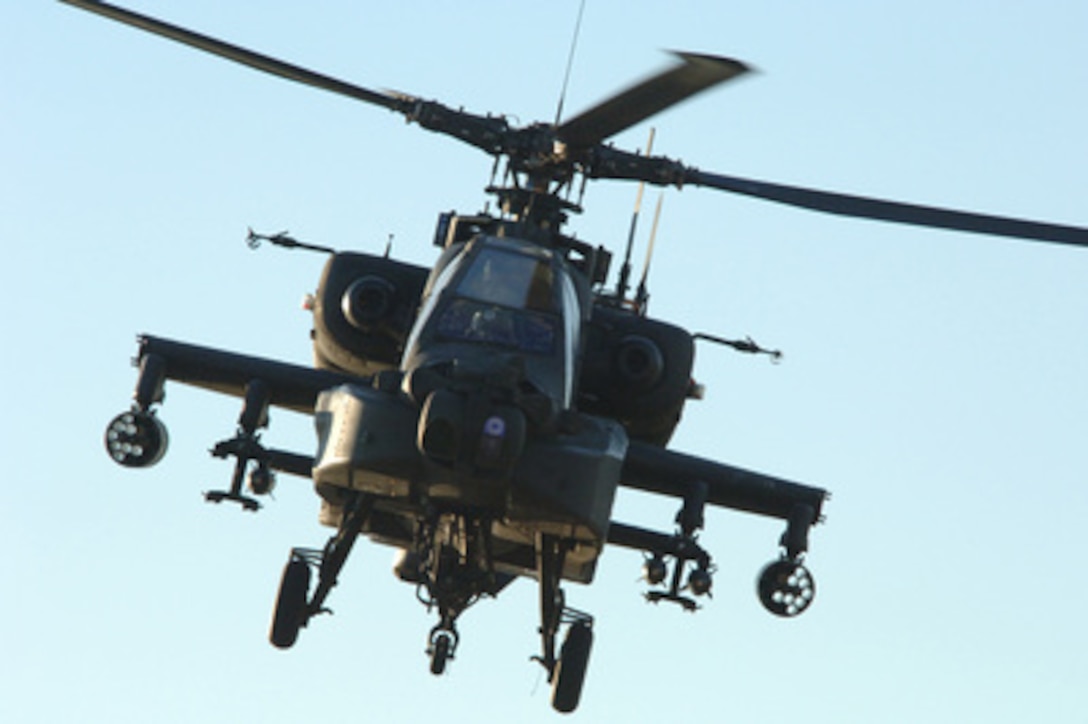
(570, 62)
(642, 295)
(625, 270)
(253, 240)
(747, 345)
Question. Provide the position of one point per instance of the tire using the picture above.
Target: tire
(570, 671)
(290, 611)
(440, 653)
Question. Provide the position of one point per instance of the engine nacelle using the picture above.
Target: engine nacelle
(636, 370)
(363, 312)
(368, 302)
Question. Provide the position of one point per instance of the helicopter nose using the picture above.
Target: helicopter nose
(486, 435)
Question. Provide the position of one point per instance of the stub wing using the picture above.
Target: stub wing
(657, 470)
(561, 488)
(645, 466)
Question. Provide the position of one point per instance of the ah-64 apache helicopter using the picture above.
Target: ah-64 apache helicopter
(480, 415)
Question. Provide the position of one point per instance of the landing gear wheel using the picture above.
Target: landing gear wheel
(136, 439)
(290, 613)
(786, 588)
(570, 670)
(441, 648)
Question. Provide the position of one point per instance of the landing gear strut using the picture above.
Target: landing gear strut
(567, 671)
(294, 606)
(452, 567)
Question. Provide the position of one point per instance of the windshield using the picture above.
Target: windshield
(471, 321)
(512, 280)
(508, 299)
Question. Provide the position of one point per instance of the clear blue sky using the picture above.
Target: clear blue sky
(934, 381)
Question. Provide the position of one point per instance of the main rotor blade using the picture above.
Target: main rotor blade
(241, 55)
(695, 73)
(870, 208)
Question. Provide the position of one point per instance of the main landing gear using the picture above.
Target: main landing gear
(567, 671)
(294, 606)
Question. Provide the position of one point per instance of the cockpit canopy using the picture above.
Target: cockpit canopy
(511, 277)
(496, 298)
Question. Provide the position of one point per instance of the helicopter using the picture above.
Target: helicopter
(479, 416)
